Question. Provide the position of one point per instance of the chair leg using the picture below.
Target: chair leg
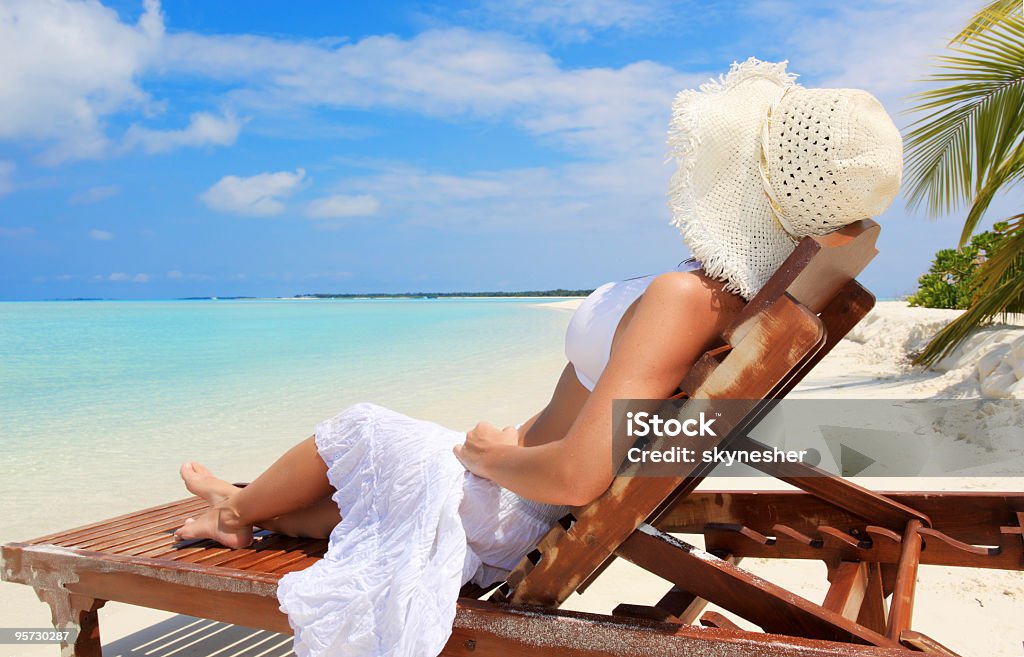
(849, 585)
(872, 610)
(75, 612)
(901, 609)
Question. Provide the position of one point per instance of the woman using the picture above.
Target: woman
(424, 509)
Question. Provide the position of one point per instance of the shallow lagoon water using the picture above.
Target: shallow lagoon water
(101, 401)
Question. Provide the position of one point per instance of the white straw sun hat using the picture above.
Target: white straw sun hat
(764, 161)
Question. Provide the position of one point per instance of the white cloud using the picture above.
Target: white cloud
(607, 113)
(342, 205)
(100, 235)
(447, 73)
(67, 66)
(70, 66)
(256, 196)
(94, 195)
(203, 128)
(95, 66)
(121, 277)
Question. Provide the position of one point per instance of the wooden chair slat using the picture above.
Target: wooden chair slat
(55, 537)
(299, 561)
(131, 537)
(160, 539)
(99, 531)
(269, 547)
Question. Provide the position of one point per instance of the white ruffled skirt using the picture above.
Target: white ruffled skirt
(416, 526)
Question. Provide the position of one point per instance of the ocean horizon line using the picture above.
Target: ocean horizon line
(347, 296)
(525, 294)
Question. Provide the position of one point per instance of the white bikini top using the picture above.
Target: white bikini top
(588, 340)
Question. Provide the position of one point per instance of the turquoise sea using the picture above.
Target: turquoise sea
(101, 401)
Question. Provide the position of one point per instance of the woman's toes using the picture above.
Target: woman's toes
(200, 481)
(179, 532)
(208, 525)
(200, 469)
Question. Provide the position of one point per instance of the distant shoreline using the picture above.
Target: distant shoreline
(532, 294)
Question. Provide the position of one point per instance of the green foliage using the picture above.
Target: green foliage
(952, 281)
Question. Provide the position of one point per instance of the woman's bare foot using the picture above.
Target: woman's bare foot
(220, 524)
(200, 481)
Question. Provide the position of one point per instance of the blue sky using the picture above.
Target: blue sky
(192, 148)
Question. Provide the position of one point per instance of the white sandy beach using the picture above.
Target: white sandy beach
(974, 612)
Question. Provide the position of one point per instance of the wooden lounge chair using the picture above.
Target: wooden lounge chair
(871, 542)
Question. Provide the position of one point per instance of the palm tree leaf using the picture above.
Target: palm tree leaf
(989, 15)
(1006, 261)
(968, 127)
(1011, 170)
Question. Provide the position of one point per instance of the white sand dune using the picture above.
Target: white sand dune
(972, 611)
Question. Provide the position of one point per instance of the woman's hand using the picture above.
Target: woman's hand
(484, 443)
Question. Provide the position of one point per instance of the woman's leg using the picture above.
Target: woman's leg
(313, 521)
(296, 480)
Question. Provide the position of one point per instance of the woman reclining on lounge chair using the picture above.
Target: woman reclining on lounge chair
(414, 510)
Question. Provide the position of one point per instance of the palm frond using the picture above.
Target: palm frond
(1007, 262)
(1001, 293)
(1012, 170)
(988, 16)
(969, 126)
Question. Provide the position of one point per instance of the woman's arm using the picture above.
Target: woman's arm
(553, 421)
(679, 316)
